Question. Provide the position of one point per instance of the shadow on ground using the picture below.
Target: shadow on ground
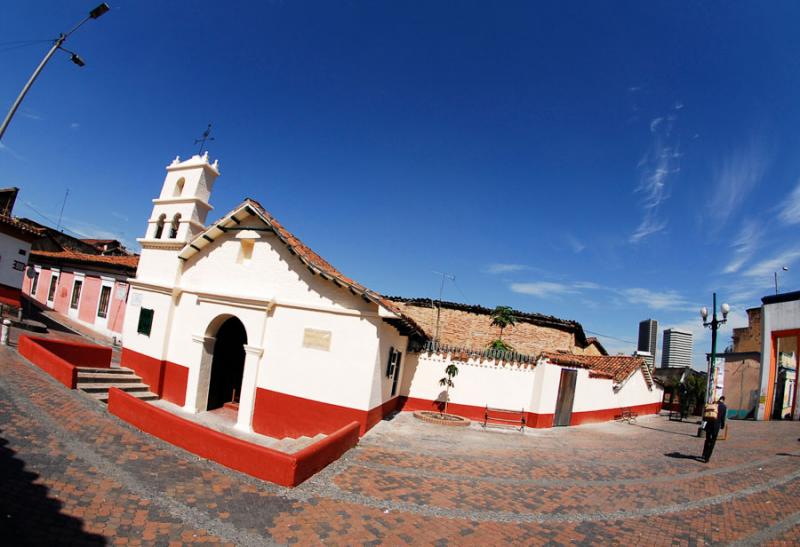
(680, 456)
(28, 516)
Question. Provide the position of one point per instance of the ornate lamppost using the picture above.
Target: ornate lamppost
(712, 363)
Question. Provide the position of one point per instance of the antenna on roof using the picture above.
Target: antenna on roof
(58, 227)
(451, 277)
(202, 140)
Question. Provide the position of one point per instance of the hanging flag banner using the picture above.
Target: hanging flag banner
(719, 377)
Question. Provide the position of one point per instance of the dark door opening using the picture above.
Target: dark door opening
(566, 396)
(227, 365)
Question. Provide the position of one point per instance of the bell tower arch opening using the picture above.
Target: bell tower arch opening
(227, 364)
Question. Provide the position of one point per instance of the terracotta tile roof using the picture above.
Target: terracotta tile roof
(21, 226)
(614, 367)
(124, 262)
(593, 340)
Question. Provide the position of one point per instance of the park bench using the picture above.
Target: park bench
(504, 417)
(628, 415)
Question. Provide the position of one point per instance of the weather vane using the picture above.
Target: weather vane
(204, 138)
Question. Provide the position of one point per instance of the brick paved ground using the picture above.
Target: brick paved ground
(70, 473)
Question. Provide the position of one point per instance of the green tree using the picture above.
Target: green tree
(502, 317)
(451, 371)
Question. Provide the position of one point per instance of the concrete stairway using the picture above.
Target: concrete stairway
(97, 381)
(290, 445)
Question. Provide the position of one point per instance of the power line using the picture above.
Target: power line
(608, 336)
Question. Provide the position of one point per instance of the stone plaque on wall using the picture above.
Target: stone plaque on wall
(317, 339)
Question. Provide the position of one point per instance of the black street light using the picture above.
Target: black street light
(94, 14)
(712, 364)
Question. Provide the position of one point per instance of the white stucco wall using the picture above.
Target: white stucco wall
(477, 384)
(9, 253)
(774, 317)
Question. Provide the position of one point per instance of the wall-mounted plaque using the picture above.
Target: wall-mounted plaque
(317, 339)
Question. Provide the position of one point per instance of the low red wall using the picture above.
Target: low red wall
(167, 380)
(255, 460)
(606, 415)
(10, 296)
(476, 413)
(60, 358)
(52, 364)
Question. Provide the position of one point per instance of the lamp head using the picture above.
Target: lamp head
(785, 268)
(704, 313)
(725, 309)
(99, 10)
(77, 60)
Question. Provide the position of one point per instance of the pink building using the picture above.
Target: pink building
(89, 289)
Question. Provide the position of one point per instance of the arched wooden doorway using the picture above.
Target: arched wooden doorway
(227, 364)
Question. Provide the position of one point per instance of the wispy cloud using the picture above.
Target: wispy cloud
(501, 268)
(119, 216)
(655, 168)
(6, 150)
(790, 210)
(574, 243)
(744, 245)
(657, 300)
(734, 178)
(765, 268)
(74, 125)
(30, 114)
(543, 288)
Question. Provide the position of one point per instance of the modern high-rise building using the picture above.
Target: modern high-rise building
(676, 349)
(648, 338)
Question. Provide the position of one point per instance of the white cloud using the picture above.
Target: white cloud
(734, 179)
(74, 125)
(767, 267)
(678, 105)
(744, 246)
(790, 210)
(655, 168)
(500, 268)
(654, 124)
(543, 288)
(30, 114)
(667, 300)
(574, 243)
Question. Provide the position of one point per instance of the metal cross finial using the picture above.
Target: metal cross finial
(203, 139)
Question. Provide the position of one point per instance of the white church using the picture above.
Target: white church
(240, 314)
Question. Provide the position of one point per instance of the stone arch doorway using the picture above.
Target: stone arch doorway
(227, 364)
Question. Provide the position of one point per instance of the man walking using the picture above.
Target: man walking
(714, 416)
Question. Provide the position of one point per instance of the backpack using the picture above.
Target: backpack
(711, 411)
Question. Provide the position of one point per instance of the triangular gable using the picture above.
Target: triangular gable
(311, 260)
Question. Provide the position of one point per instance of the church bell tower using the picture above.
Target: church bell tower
(179, 215)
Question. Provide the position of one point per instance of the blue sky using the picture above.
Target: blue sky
(603, 162)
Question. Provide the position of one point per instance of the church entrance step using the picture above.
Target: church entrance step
(98, 381)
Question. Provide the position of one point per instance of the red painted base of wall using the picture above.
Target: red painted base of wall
(10, 296)
(167, 380)
(280, 415)
(255, 460)
(476, 413)
(60, 358)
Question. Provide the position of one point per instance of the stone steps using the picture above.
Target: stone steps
(98, 381)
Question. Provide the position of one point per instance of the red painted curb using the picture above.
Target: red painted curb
(257, 461)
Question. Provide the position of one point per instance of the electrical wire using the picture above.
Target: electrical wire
(608, 336)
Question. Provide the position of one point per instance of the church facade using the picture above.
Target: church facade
(240, 313)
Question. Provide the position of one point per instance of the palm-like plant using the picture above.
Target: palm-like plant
(451, 371)
(502, 317)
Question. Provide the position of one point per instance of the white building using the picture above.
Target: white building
(676, 348)
(241, 313)
(780, 340)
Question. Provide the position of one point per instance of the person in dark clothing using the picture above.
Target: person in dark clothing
(713, 425)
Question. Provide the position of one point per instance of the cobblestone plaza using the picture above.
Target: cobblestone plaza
(71, 473)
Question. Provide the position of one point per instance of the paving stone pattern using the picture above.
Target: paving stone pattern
(73, 474)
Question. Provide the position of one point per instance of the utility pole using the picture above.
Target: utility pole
(714, 324)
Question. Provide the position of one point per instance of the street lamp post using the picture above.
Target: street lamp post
(785, 269)
(94, 14)
(713, 325)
